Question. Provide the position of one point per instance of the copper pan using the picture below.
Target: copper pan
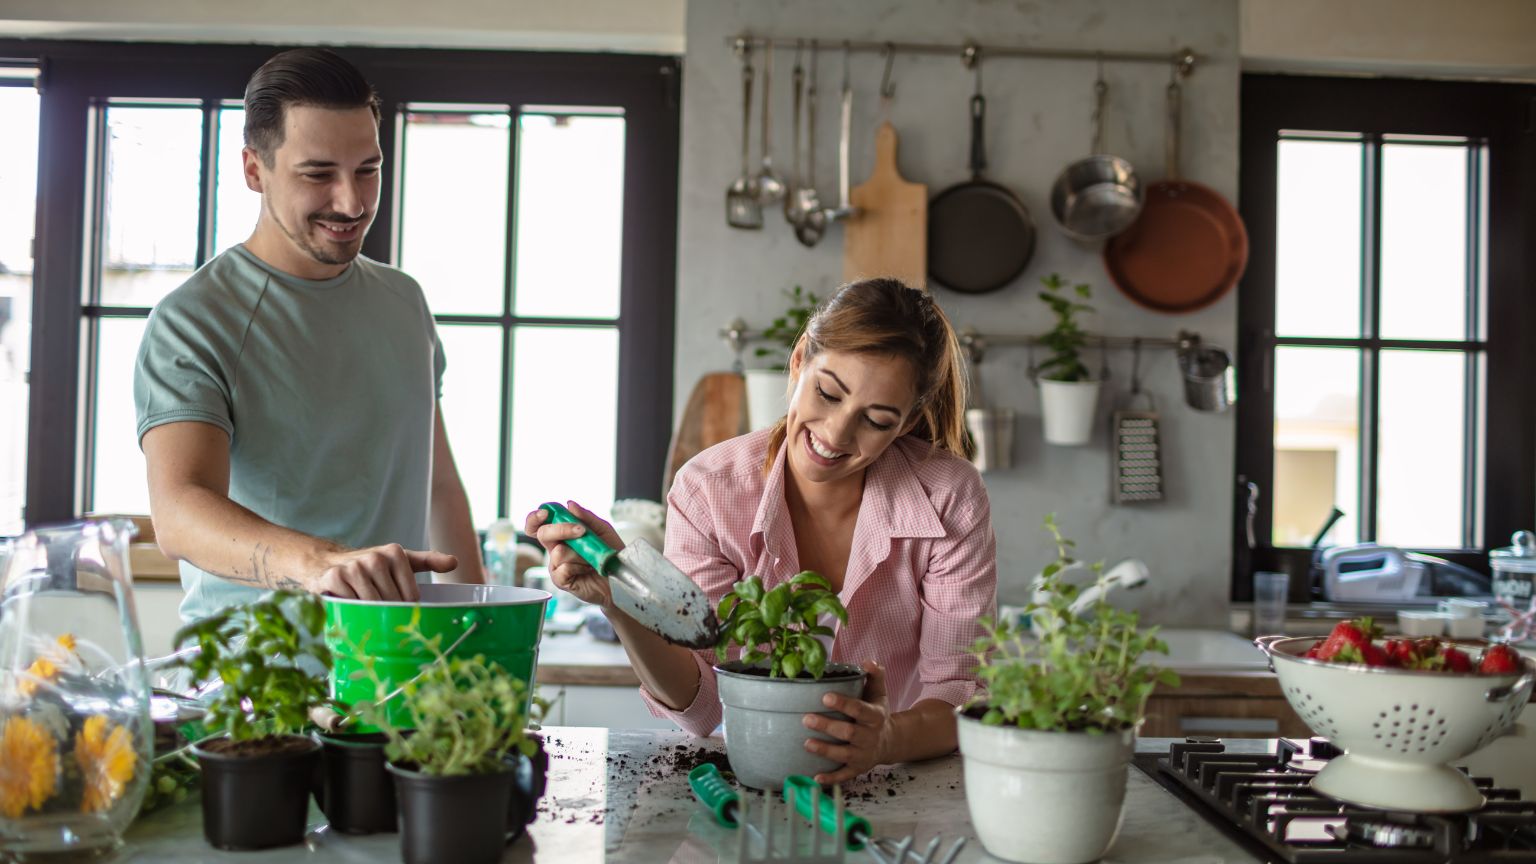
(1188, 247)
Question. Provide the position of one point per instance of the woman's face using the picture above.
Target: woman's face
(845, 410)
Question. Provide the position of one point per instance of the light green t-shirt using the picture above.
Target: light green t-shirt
(327, 390)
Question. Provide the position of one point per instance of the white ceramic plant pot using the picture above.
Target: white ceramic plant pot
(1068, 408)
(766, 397)
(1044, 797)
(764, 732)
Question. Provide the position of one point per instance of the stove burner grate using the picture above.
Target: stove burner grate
(1266, 800)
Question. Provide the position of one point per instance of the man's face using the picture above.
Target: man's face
(319, 195)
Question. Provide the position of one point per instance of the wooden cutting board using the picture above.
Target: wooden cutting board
(889, 237)
(716, 411)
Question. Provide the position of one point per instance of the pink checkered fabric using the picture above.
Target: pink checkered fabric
(922, 571)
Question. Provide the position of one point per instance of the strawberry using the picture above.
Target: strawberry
(1499, 660)
(1456, 660)
(1403, 652)
(1357, 633)
(1367, 653)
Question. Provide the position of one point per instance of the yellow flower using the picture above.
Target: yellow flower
(29, 766)
(42, 669)
(107, 761)
(67, 642)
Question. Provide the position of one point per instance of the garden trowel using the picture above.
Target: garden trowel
(648, 587)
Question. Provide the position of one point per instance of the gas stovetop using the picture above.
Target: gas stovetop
(1264, 801)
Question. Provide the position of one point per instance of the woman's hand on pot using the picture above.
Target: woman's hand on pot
(866, 736)
(567, 569)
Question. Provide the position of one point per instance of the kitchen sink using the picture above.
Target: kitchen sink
(1210, 651)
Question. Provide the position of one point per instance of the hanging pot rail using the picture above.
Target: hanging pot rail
(1185, 58)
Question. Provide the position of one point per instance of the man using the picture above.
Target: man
(287, 392)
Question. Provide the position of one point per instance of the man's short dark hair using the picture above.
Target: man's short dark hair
(315, 77)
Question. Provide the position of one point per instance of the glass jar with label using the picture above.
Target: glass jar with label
(1514, 571)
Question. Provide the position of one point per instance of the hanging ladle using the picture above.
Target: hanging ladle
(812, 222)
(742, 209)
(770, 187)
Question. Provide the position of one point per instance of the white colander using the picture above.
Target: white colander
(1399, 728)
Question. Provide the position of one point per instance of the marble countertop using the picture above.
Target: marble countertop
(617, 796)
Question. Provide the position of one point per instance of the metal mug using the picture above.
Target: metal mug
(1207, 378)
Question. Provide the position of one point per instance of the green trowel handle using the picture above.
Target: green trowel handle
(715, 793)
(800, 791)
(589, 546)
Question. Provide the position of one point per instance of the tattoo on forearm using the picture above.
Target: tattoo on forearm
(261, 572)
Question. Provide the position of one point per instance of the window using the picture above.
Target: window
(543, 238)
(18, 195)
(1382, 318)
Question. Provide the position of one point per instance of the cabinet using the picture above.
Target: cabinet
(1239, 705)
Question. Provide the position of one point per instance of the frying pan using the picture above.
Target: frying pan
(980, 237)
(1189, 246)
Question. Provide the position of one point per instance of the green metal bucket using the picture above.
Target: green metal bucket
(504, 625)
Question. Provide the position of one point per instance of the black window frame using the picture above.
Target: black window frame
(1501, 118)
(77, 75)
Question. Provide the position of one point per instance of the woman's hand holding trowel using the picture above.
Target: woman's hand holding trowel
(569, 571)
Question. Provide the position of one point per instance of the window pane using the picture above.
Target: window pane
(1317, 239)
(1424, 241)
(235, 206)
(151, 197)
(18, 198)
(570, 205)
(472, 394)
(453, 243)
(1317, 443)
(1420, 499)
(564, 440)
(117, 471)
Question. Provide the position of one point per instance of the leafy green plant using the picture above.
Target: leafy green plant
(257, 650)
(465, 714)
(1084, 674)
(787, 328)
(779, 625)
(1066, 339)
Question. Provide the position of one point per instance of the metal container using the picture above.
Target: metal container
(992, 432)
(1207, 374)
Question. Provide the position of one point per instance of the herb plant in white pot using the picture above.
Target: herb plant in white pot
(780, 677)
(1047, 745)
(767, 389)
(1069, 394)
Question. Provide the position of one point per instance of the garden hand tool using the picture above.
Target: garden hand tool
(648, 587)
(730, 810)
(805, 795)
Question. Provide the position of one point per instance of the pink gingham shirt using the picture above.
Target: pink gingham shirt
(923, 567)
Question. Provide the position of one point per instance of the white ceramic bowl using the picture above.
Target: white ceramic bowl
(1399, 728)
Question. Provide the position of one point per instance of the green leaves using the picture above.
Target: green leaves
(785, 329)
(257, 651)
(1066, 339)
(1084, 674)
(780, 625)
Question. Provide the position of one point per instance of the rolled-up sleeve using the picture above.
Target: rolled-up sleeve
(692, 545)
(958, 589)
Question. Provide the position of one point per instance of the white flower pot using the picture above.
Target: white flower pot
(764, 729)
(1068, 408)
(767, 397)
(1044, 797)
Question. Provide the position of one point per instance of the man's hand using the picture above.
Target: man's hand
(378, 573)
(867, 736)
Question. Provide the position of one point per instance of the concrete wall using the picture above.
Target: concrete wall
(1038, 122)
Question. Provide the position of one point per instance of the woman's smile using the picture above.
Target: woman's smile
(820, 453)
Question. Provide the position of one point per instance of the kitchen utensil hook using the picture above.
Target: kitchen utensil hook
(887, 86)
(1136, 366)
(971, 57)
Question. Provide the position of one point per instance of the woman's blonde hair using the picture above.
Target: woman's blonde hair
(885, 316)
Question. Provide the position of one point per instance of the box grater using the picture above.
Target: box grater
(1135, 451)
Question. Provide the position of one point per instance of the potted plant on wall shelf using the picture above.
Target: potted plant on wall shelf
(259, 772)
(767, 387)
(468, 774)
(780, 677)
(1069, 394)
(1048, 743)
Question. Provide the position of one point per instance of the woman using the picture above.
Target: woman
(863, 481)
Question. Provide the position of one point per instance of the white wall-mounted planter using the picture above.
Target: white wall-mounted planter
(1044, 797)
(1068, 409)
(766, 397)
